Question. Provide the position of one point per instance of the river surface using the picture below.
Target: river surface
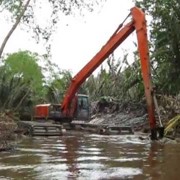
(92, 157)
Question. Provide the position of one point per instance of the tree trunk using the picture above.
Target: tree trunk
(13, 27)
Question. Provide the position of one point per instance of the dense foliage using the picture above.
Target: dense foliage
(165, 41)
(124, 84)
(23, 84)
(20, 79)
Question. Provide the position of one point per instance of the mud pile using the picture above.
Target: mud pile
(113, 113)
(7, 129)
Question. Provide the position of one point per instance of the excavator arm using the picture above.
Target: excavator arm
(137, 23)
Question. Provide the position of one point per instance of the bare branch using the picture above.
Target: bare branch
(13, 28)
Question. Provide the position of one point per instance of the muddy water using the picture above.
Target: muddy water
(86, 156)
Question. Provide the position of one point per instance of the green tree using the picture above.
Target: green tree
(24, 65)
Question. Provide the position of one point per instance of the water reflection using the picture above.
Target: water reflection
(84, 156)
(72, 146)
(163, 161)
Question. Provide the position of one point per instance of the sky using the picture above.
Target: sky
(77, 39)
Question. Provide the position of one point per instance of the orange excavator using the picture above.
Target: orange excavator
(72, 101)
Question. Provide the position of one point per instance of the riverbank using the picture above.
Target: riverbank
(116, 114)
(104, 112)
(110, 112)
(7, 128)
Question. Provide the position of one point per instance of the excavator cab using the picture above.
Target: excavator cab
(83, 108)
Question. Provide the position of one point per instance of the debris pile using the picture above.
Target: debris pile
(172, 129)
(111, 112)
(169, 106)
(7, 128)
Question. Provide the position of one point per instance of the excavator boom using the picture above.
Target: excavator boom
(137, 23)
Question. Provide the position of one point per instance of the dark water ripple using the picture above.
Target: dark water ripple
(88, 156)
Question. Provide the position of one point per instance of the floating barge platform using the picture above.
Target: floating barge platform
(34, 128)
(102, 129)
